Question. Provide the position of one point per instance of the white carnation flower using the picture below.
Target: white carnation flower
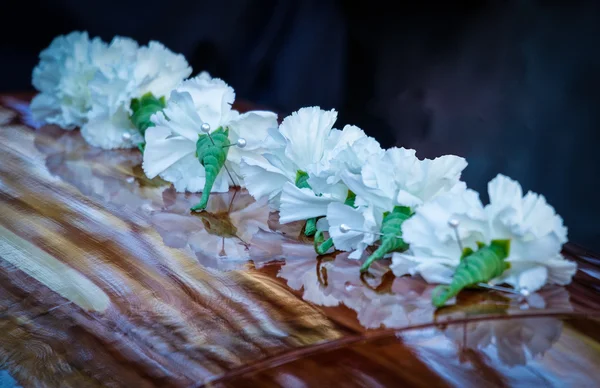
(61, 77)
(383, 181)
(298, 204)
(324, 176)
(535, 231)
(171, 143)
(158, 70)
(347, 150)
(306, 144)
(436, 260)
(398, 178)
(127, 71)
(363, 223)
(300, 143)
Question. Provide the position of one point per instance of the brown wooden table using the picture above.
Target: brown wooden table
(107, 280)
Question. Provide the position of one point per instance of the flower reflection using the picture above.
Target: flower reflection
(6, 116)
(21, 107)
(379, 300)
(233, 229)
(302, 273)
(114, 177)
(382, 300)
(513, 341)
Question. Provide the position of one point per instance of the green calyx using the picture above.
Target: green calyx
(302, 183)
(143, 108)
(211, 151)
(350, 198)
(302, 180)
(391, 239)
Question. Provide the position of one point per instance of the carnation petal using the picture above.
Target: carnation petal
(261, 178)
(307, 131)
(111, 132)
(338, 214)
(162, 153)
(212, 98)
(180, 117)
(301, 204)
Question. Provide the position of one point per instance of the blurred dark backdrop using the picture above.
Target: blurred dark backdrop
(513, 86)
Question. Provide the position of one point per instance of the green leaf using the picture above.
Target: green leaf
(481, 266)
(502, 247)
(211, 151)
(391, 240)
(143, 108)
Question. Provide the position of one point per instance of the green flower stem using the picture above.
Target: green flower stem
(322, 245)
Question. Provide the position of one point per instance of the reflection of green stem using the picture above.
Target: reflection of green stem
(391, 229)
(143, 108)
(322, 271)
(220, 224)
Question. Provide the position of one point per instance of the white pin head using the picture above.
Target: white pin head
(524, 292)
(241, 143)
(454, 223)
(205, 127)
(126, 136)
(345, 228)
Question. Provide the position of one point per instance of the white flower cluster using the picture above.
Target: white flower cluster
(341, 182)
(535, 231)
(338, 162)
(171, 144)
(90, 84)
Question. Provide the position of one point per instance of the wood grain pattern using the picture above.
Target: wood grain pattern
(107, 280)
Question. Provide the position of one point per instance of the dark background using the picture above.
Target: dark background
(513, 86)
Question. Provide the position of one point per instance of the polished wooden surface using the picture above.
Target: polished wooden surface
(106, 279)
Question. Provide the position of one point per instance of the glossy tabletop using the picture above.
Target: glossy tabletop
(106, 279)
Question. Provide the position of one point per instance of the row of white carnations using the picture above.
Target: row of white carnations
(354, 195)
